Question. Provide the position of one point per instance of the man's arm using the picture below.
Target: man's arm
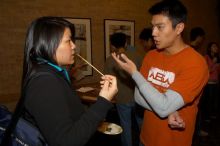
(175, 121)
(161, 103)
(141, 100)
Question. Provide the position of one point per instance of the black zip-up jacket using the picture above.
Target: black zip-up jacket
(58, 112)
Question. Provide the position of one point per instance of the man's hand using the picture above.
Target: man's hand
(175, 121)
(126, 64)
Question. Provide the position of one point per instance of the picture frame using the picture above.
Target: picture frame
(83, 43)
(112, 26)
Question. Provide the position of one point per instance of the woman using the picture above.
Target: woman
(212, 87)
(50, 102)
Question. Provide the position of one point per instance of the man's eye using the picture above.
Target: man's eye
(160, 27)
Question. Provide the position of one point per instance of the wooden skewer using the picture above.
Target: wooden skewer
(90, 64)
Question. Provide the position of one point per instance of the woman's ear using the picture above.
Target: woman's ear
(179, 28)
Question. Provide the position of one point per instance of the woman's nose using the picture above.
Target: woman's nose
(73, 45)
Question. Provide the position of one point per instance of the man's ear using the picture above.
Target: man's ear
(179, 28)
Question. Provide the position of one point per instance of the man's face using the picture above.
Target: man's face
(200, 40)
(163, 33)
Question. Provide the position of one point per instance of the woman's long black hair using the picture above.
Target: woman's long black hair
(42, 40)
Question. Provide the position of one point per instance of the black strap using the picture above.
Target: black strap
(18, 110)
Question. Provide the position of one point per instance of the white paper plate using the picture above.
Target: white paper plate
(110, 128)
(85, 89)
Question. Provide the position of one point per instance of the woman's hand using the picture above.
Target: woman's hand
(108, 87)
(126, 64)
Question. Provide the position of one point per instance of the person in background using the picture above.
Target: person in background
(125, 97)
(50, 102)
(76, 72)
(146, 40)
(170, 81)
(197, 37)
(212, 88)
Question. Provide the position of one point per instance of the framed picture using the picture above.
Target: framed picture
(113, 26)
(83, 43)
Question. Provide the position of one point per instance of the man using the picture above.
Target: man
(146, 39)
(197, 37)
(146, 42)
(171, 80)
(125, 103)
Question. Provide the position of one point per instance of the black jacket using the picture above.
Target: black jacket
(58, 112)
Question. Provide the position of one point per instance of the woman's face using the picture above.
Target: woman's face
(66, 49)
(214, 48)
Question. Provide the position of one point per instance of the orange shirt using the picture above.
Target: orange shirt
(186, 73)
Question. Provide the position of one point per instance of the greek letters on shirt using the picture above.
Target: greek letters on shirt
(161, 77)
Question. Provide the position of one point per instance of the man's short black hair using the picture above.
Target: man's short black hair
(196, 32)
(146, 34)
(118, 40)
(173, 9)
